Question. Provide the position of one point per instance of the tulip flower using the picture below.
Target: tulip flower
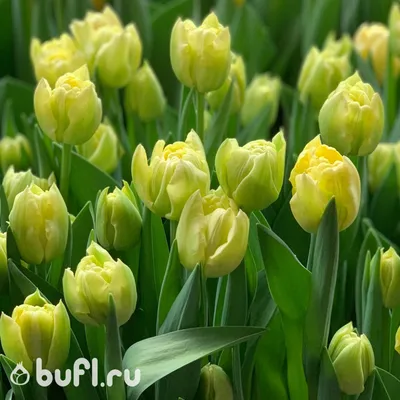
(320, 174)
(352, 118)
(352, 358)
(340, 47)
(39, 222)
(55, 58)
(3, 258)
(394, 28)
(397, 345)
(118, 221)
(214, 384)
(71, 112)
(175, 172)
(36, 329)
(201, 56)
(390, 278)
(380, 161)
(96, 277)
(213, 232)
(252, 175)
(15, 151)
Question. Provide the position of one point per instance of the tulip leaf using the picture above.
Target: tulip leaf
(394, 326)
(325, 260)
(328, 387)
(95, 339)
(8, 125)
(219, 300)
(21, 392)
(390, 382)
(153, 261)
(161, 355)
(369, 386)
(171, 285)
(288, 280)
(41, 152)
(4, 212)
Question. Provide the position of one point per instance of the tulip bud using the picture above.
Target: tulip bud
(36, 329)
(118, 222)
(237, 77)
(394, 28)
(262, 92)
(3, 258)
(339, 47)
(175, 172)
(201, 56)
(16, 182)
(390, 278)
(320, 74)
(72, 111)
(96, 277)
(397, 344)
(371, 42)
(119, 57)
(15, 151)
(214, 384)
(380, 161)
(55, 58)
(102, 149)
(353, 359)
(39, 222)
(320, 174)
(252, 175)
(213, 232)
(144, 94)
(352, 118)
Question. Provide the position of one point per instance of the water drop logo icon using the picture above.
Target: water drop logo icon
(19, 376)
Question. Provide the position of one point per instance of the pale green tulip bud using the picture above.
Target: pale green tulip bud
(103, 149)
(353, 359)
(397, 344)
(237, 77)
(352, 118)
(390, 278)
(144, 94)
(394, 28)
(320, 74)
(213, 232)
(339, 47)
(35, 330)
(3, 258)
(201, 56)
(118, 221)
(16, 182)
(252, 175)
(15, 151)
(380, 161)
(71, 112)
(96, 277)
(214, 384)
(39, 222)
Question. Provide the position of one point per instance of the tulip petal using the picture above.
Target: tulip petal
(141, 175)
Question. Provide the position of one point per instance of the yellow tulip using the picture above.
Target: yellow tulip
(71, 112)
(252, 175)
(352, 118)
(390, 278)
(201, 56)
(15, 151)
(214, 384)
(213, 232)
(320, 174)
(394, 28)
(55, 58)
(340, 47)
(397, 344)
(3, 258)
(175, 172)
(380, 161)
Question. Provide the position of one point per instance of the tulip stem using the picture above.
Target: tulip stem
(200, 116)
(172, 231)
(204, 297)
(65, 170)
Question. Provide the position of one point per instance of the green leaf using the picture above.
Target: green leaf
(219, 300)
(390, 383)
(42, 153)
(288, 280)
(21, 392)
(258, 128)
(368, 392)
(9, 127)
(328, 387)
(4, 212)
(159, 356)
(96, 342)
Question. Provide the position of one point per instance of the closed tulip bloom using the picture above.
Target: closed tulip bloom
(390, 278)
(237, 77)
(213, 232)
(394, 28)
(352, 358)
(97, 276)
(352, 118)
(118, 221)
(36, 329)
(175, 172)
(214, 384)
(71, 112)
(320, 174)
(320, 74)
(3, 258)
(252, 175)
(342, 46)
(103, 149)
(201, 56)
(262, 95)
(380, 161)
(55, 58)
(397, 344)
(15, 151)
(39, 222)
(144, 94)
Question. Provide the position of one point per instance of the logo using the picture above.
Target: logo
(20, 376)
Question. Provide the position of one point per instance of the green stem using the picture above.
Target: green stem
(200, 116)
(311, 251)
(65, 170)
(197, 11)
(183, 112)
(172, 231)
(204, 297)
(59, 16)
